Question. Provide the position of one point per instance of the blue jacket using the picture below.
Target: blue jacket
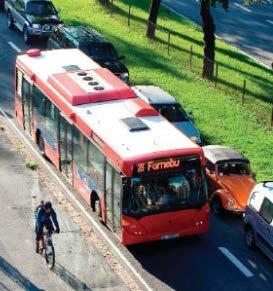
(41, 217)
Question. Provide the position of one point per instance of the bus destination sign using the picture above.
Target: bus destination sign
(157, 166)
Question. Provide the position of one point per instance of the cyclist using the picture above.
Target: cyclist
(44, 216)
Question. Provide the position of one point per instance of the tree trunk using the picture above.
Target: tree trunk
(104, 2)
(209, 40)
(154, 8)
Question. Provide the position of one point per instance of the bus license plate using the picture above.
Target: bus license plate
(170, 236)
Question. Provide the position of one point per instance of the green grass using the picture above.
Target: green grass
(221, 119)
(31, 164)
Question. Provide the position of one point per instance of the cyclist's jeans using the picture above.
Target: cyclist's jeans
(39, 229)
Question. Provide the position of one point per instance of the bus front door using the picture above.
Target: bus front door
(109, 196)
(113, 198)
(66, 147)
(27, 105)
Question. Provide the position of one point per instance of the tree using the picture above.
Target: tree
(104, 2)
(208, 29)
(154, 9)
(209, 35)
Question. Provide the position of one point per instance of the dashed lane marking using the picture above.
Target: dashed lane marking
(242, 7)
(15, 47)
(70, 194)
(236, 262)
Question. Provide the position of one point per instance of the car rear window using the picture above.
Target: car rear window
(172, 112)
(99, 51)
(234, 168)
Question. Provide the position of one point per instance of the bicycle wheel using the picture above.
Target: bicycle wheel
(50, 255)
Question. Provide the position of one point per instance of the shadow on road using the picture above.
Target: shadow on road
(69, 278)
(11, 272)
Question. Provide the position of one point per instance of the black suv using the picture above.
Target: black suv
(35, 18)
(91, 43)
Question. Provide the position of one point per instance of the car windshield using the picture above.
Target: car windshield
(40, 8)
(234, 168)
(100, 52)
(162, 193)
(172, 112)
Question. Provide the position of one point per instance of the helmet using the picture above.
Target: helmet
(48, 205)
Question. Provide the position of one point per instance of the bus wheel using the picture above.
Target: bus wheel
(98, 208)
(41, 145)
(95, 203)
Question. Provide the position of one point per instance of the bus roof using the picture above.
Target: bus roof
(123, 125)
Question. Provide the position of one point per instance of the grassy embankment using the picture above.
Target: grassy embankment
(221, 119)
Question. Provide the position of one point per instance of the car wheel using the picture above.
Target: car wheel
(216, 206)
(27, 37)
(250, 237)
(10, 21)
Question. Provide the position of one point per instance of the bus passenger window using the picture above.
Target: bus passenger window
(19, 79)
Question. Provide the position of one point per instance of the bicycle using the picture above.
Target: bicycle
(48, 247)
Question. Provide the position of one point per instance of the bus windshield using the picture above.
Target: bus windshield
(162, 193)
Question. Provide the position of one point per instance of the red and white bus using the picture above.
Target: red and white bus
(144, 177)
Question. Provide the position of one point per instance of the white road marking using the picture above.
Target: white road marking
(236, 262)
(242, 7)
(70, 194)
(269, 21)
(15, 47)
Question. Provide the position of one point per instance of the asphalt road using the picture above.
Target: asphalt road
(216, 261)
(249, 28)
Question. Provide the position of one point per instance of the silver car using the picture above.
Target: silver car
(171, 109)
(258, 221)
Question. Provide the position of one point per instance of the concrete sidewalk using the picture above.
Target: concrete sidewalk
(78, 264)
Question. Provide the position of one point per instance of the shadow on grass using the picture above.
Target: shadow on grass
(165, 14)
(143, 57)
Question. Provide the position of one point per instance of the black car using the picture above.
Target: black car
(91, 43)
(35, 18)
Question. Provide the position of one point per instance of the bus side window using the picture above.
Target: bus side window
(95, 166)
(19, 79)
(51, 118)
(80, 150)
(39, 100)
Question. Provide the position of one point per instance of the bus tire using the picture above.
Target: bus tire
(98, 208)
(41, 144)
(95, 203)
